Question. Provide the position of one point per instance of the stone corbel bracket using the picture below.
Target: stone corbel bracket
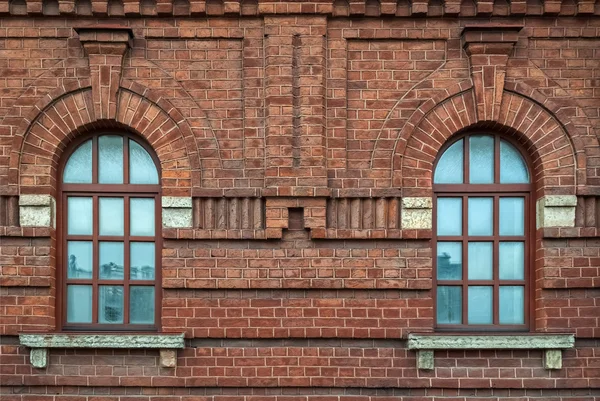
(105, 46)
(551, 344)
(488, 47)
(167, 344)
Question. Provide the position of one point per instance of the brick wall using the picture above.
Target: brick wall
(297, 129)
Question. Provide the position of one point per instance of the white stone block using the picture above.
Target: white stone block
(556, 211)
(177, 212)
(37, 211)
(416, 213)
(39, 357)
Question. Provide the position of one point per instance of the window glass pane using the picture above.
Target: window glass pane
(481, 211)
(481, 159)
(78, 169)
(141, 213)
(142, 169)
(112, 220)
(512, 306)
(110, 304)
(110, 159)
(111, 260)
(512, 216)
(79, 216)
(449, 169)
(449, 305)
(480, 261)
(142, 261)
(449, 216)
(79, 304)
(449, 260)
(80, 259)
(512, 261)
(141, 305)
(513, 169)
(480, 305)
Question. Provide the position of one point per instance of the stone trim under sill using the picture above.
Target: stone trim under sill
(167, 344)
(552, 344)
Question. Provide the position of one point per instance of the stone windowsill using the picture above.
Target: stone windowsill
(552, 344)
(41, 342)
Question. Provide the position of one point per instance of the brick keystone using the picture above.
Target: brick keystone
(105, 46)
(488, 47)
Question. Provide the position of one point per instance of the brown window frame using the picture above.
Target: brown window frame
(495, 191)
(96, 190)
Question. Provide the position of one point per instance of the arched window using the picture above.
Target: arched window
(110, 230)
(482, 191)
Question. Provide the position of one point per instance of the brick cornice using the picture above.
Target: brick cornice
(488, 47)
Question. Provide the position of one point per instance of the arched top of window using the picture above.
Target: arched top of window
(481, 159)
(110, 159)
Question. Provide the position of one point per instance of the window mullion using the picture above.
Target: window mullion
(465, 260)
(496, 262)
(127, 257)
(95, 257)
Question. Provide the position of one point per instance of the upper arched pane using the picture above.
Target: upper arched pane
(141, 166)
(513, 169)
(119, 160)
(78, 169)
(449, 169)
(481, 159)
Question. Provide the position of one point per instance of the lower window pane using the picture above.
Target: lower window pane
(141, 305)
(79, 304)
(480, 305)
(449, 305)
(110, 304)
(512, 306)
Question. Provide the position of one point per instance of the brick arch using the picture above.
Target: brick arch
(42, 136)
(551, 150)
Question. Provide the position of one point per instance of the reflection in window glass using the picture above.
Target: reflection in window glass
(142, 169)
(513, 169)
(481, 216)
(449, 305)
(80, 259)
(110, 304)
(449, 260)
(78, 169)
(79, 303)
(449, 169)
(481, 159)
(141, 305)
(449, 216)
(480, 305)
(142, 261)
(111, 260)
(110, 159)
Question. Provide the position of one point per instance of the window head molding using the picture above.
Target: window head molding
(110, 250)
(482, 224)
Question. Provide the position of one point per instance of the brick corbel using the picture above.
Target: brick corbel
(488, 48)
(105, 46)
